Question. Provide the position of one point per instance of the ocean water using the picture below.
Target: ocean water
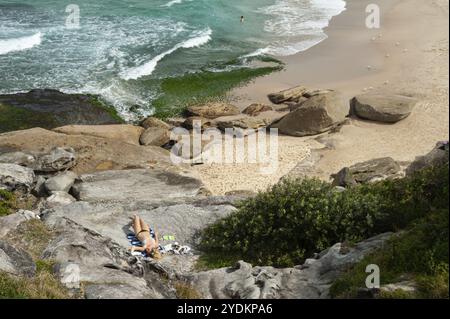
(143, 56)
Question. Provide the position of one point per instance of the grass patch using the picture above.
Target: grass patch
(296, 218)
(186, 291)
(32, 236)
(180, 92)
(13, 119)
(43, 286)
(10, 202)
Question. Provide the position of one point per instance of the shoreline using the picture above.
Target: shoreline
(415, 66)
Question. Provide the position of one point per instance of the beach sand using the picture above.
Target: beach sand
(407, 55)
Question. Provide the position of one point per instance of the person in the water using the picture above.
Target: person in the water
(242, 19)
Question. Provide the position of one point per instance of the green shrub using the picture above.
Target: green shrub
(295, 218)
(419, 254)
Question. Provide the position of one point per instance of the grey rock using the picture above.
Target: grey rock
(113, 220)
(15, 261)
(198, 122)
(155, 122)
(61, 182)
(11, 222)
(309, 281)
(59, 198)
(16, 177)
(213, 110)
(135, 185)
(368, 172)
(57, 159)
(256, 108)
(155, 136)
(292, 94)
(318, 114)
(18, 158)
(382, 108)
(437, 156)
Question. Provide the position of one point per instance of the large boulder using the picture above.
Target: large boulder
(368, 172)
(59, 198)
(213, 110)
(18, 158)
(122, 132)
(312, 280)
(16, 177)
(58, 159)
(154, 122)
(437, 156)
(135, 185)
(92, 153)
(318, 114)
(386, 108)
(50, 108)
(241, 121)
(292, 94)
(198, 122)
(15, 261)
(155, 136)
(61, 182)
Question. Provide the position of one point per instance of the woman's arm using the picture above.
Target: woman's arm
(137, 248)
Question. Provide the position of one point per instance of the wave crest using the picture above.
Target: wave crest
(148, 68)
(20, 44)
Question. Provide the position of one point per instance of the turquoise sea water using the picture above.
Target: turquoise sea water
(139, 54)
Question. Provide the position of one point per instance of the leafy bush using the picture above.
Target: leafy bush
(295, 218)
(420, 255)
(7, 202)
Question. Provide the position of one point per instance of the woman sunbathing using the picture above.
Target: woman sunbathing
(150, 243)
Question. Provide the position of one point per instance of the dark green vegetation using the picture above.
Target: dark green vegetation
(14, 118)
(50, 108)
(12, 201)
(197, 88)
(419, 255)
(296, 218)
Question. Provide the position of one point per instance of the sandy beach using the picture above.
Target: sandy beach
(408, 55)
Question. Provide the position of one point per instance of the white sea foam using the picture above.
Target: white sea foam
(20, 44)
(148, 68)
(298, 24)
(171, 3)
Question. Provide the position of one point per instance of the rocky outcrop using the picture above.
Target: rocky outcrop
(61, 182)
(155, 122)
(59, 198)
(119, 132)
(201, 122)
(312, 280)
(437, 156)
(292, 94)
(57, 159)
(368, 172)
(155, 136)
(15, 177)
(92, 153)
(256, 109)
(239, 121)
(135, 185)
(318, 114)
(15, 261)
(213, 110)
(50, 108)
(18, 158)
(382, 107)
(10, 222)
